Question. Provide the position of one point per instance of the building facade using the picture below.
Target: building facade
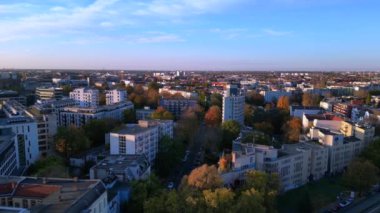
(233, 105)
(116, 96)
(48, 93)
(85, 97)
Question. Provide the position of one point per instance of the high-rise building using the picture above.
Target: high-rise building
(116, 96)
(233, 104)
(85, 97)
(8, 151)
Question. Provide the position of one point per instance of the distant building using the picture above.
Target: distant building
(116, 96)
(299, 111)
(185, 94)
(177, 105)
(125, 167)
(85, 97)
(53, 194)
(270, 96)
(6, 95)
(344, 109)
(48, 93)
(79, 116)
(233, 105)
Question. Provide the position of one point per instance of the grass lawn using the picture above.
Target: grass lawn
(321, 193)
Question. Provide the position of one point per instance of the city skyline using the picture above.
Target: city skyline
(190, 35)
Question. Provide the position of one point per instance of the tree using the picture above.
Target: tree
(283, 103)
(249, 199)
(52, 166)
(169, 154)
(102, 99)
(361, 175)
(216, 99)
(371, 153)
(204, 177)
(268, 185)
(265, 127)
(248, 115)
(231, 130)
(187, 125)
(95, 130)
(71, 140)
(129, 116)
(170, 202)
(153, 86)
(292, 130)
(219, 199)
(142, 191)
(163, 114)
(309, 99)
(213, 116)
(152, 98)
(254, 98)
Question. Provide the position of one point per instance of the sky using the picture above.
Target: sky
(229, 35)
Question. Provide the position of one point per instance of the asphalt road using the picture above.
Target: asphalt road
(369, 205)
(186, 167)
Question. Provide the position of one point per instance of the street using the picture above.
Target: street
(187, 166)
(369, 205)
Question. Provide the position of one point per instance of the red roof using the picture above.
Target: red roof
(7, 188)
(36, 190)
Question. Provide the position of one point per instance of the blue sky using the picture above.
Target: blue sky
(191, 34)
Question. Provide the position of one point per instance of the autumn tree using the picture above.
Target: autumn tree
(309, 99)
(283, 103)
(213, 116)
(292, 130)
(248, 200)
(254, 98)
(219, 199)
(361, 175)
(162, 113)
(204, 177)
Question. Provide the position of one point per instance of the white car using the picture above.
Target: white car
(344, 203)
(170, 185)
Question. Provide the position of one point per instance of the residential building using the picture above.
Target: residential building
(344, 109)
(8, 152)
(299, 111)
(53, 194)
(116, 96)
(25, 129)
(142, 114)
(48, 93)
(134, 139)
(270, 96)
(233, 105)
(177, 105)
(85, 97)
(185, 94)
(12, 95)
(165, 127)
(79, 116)
(125, 167)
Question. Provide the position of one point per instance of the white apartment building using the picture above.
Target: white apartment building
(233, 105)
(8, 152)
(134, 139)
(26, 132)
(141, 138)
(79, 116)
(85, 97)
(185, 94)
(116, 96)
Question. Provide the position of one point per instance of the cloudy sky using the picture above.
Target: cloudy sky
(191, 34)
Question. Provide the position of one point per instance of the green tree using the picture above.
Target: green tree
(71, 140)
(255, 98)
(95, 130)
(361, 175)
(231, 130)
(168, 202)
(248, 200)
(129, 116)
(219, 199)
(268, 185)
(216, 99)
(371, 153)
(52, 166)
(170, 152)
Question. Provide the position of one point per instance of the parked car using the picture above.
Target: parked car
(170, 185)
(345, 203)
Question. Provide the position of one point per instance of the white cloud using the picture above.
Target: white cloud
(159, 39)
(272, 32)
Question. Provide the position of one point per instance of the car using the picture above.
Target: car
(344, 203)
(170, 185)
(187, 151)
